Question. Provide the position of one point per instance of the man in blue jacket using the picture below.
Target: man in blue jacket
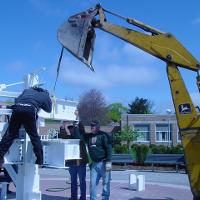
(25, 111)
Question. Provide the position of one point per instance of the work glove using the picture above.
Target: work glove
(108, 166)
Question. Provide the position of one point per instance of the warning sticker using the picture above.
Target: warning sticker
(184, 108)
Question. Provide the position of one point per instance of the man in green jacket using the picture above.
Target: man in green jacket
(100, 151)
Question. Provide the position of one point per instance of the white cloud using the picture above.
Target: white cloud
(196, 21)
(111, 49)
(51, 8)
(107, 75)
(137, 55)
(106, 48)
(116, 63)
(161, 107)
(45, 7)
(16, 65)
(38, 46)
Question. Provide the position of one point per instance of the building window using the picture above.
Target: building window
(178, 136)
(163, 132)
(143, 131)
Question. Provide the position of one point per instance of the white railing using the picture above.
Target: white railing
(45, 137)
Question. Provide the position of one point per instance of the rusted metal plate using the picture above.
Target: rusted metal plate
(77, 35)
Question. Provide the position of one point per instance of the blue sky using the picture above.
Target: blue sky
(28, 42)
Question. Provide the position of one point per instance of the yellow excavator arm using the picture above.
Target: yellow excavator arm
(161, 45)
(78, 35)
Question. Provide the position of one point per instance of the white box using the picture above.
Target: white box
(57, 151)
(140, 183)
(132, 182)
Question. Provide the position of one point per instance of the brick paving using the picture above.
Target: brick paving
(60, 190)
(120, 191)
(165, 186)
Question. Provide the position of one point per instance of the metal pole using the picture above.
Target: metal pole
(168, 131)
(127, 119)
(168, 135)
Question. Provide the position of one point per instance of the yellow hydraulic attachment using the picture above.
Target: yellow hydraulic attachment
(78, 35)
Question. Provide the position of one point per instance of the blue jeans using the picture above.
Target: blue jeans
(97, 171)
(75, 172)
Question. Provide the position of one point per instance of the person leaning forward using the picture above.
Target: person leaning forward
(25, 112)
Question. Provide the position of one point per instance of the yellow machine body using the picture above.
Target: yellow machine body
(159, 44)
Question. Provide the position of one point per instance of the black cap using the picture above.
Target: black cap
(70, 126)
(39, 89)
(94, 123)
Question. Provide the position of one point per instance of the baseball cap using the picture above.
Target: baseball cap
(94, 123)
(70, 126)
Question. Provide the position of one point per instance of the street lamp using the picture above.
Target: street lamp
(168, 135)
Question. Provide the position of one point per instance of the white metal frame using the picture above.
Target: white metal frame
(27, 179)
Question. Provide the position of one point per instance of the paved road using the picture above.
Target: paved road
(159, 186)
(173, 178)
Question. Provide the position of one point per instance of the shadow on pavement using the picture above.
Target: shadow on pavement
(44, 197)
(126, 188)
(138, 198)
(163, 171)
(49, 197)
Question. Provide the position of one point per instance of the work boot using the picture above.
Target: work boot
(39, 162)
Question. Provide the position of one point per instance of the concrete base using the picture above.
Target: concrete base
(137, 182)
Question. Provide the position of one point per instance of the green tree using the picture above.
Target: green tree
(9, 101)
(140, 106)
(115, 110)
(127, 134)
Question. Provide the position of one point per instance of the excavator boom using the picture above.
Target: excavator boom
(78, 36)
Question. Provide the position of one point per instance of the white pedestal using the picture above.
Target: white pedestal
(132, 182)
(28, 182)
(4, 190)
(137, 182)
(140, 183)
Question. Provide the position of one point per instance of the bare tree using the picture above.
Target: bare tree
(92, 106)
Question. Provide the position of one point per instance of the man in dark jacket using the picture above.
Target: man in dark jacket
(100, 151)
(77, 168)
(64, 132)
(25, 111)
